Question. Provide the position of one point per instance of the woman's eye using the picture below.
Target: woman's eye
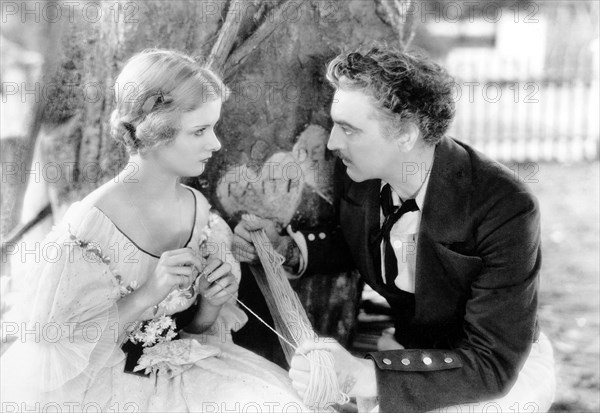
(199, 132)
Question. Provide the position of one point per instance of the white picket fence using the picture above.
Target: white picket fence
(513, 113)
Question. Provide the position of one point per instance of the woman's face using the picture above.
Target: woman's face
(195, 143)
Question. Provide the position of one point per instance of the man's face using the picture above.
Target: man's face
(357, 136)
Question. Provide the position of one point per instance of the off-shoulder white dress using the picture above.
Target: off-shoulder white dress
(68, 352)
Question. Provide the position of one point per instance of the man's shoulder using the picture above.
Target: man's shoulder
(491, 174)
(493, 183)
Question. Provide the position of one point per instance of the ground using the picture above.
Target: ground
(569, 298)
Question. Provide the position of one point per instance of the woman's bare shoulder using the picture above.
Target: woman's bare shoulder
(202, 205)
(109, 198)
(202, 202)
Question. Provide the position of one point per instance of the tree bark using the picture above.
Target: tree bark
(273, 128)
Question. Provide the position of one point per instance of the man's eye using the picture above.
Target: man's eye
(200, 132)
(347, 131)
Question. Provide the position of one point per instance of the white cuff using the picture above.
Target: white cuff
(301, 244)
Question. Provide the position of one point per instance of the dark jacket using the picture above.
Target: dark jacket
(472, 317)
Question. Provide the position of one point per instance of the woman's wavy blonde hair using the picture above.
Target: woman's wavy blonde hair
(152, 91)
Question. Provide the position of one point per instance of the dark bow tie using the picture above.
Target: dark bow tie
(392, 215)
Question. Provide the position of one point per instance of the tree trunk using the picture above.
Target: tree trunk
(273, 129)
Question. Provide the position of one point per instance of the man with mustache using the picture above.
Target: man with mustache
(449, 237)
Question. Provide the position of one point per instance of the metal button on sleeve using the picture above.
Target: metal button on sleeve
(387, 361)
(406, 362)
(427, 361)
(311, 237)
(448, 360)
(322, 235)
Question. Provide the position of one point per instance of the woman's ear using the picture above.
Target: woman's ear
(408, 136)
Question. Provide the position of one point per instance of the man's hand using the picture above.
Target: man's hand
(244, 251)
(356, 377)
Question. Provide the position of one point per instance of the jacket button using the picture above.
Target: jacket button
(311, 237)
(406, 362)
(427, 361)
(322, 235)
(448, 360)
(387, 361)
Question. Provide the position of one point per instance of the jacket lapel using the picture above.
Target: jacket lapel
(445, 209)
(372, 225)
(444, 218)
(360, 213)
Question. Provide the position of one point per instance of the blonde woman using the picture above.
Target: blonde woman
(142, 300)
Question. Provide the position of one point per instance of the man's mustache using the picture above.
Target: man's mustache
(337, 154)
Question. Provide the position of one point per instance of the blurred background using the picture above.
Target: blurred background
(526, 89)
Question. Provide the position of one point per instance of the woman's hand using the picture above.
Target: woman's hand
(216, 283)
(174, 270)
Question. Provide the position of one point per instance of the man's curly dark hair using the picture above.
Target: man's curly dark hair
(406, 87)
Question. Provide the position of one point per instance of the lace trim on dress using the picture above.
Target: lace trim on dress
(90, 249)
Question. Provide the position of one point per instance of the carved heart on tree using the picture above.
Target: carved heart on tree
(272, 190)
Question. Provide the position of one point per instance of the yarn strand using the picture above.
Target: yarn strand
(292, 322)
(292, 325)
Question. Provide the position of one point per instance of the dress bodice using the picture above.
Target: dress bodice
(130, 264)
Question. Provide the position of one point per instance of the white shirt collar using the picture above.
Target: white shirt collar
(420, 196)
